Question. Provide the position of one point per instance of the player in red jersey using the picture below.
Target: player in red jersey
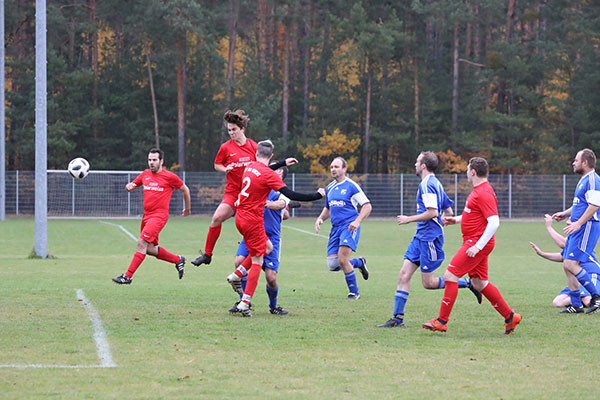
(158, 187)
(257, 181)
(232, 158)
(479, 222)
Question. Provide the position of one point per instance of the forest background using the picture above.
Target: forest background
(517, 81)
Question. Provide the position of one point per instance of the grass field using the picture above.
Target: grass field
(174, 339)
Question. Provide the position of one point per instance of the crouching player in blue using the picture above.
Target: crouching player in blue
(343, 196)
(275, 213)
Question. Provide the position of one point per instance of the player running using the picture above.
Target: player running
(479, 222)
(233, 156)
(425, 251)
(158, 187)
(275, 212)
(257, 182)
(342, 199)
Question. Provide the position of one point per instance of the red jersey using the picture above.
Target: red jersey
(240, 156)
(158, 189)
(481, 204)
(257, 182)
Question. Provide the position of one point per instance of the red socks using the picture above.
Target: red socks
(450, 294)
(135, 263)
(211, 239)
(166, 256)
(492, 293)
(252, 282)
(247, 263)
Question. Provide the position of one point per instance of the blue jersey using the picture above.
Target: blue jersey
(342, 199)
(587, 192)
(273, 218)
(431, 195)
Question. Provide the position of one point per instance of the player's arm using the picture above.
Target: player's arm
(223, 169)
(186, 200)
(490, 230)
(448, 212)
(276, 205)
(557, 237)
(557, 257)
(321, 218)
(451, 220)
(589, 212)
(290, 194)
(364, 213)
(130, 187)
(430, 213)
(286, 215)
(283, 163)
(559, 216)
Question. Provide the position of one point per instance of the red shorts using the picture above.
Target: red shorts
(476, 267)
(151, 227)
(230, 199)
(254, 236)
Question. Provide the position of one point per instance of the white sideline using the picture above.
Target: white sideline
(102, 347)
(121, 228)
(303, 231)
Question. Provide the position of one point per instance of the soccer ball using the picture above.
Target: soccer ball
(79, 168)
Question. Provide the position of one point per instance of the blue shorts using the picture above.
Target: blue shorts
(582, 290)
(270, 261)
(581, 243)
(339, 236)
(428, 255)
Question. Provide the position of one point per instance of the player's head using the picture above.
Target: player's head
(426, 160)
(585, 160)
(282, 172)
(479, 167)
(236, 122)
(155, 159)
(338, 168)
(264, 150)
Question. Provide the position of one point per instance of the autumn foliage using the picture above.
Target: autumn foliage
(329, 147)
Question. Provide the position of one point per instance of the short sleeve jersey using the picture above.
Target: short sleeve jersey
(158, 188)
(481, 204)
(342, 199)
(586, 193)
(257, 182)
(240, 156)
(273, 218)
(431, 194)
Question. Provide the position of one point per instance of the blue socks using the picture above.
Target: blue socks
(462, 283)
(585, 281)
(244, 282)
(272, 296)
(400, 301)
(351, 282)
(575, 296)
(356, 263)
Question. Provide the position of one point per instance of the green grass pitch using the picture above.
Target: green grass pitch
(173, 339)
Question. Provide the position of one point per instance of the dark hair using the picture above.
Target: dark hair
(284, 169)
(589, 156)
(430, 160)
(237, 117)
(265, 148)
(161, 153)
(344, 163)
(480, 166)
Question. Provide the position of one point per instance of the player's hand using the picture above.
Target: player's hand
(229, 168)
(294, 204)
(318, 223)
(402, 219)
(472, 251)
(185, 212)
(574, 227)
(535, 248)
(548, 220)
(559, 216)
(290, 161)
(448, 221)
(321, 191)
(354, 225)
(130, 187)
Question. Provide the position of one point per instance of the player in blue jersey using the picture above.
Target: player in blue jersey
(591, 266)
(583, 231)
(275, 213)
(425, 250)
(342, 199)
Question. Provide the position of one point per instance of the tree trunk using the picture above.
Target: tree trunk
(510, 13)
(234, 10)
(91, 4)
(468, 44)
(476, 34)
(154, 110)
(274, 42)
(367, 121)
(455, 79)
(306, 61)
(416, 99)
(181, 84)
(286, 85)
(261, 34)
(325, 52)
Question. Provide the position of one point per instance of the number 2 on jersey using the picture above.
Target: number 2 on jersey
(246, 184)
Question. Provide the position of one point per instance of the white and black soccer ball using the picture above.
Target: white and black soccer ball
(79, 168)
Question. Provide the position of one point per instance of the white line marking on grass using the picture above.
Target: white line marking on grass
(102, 346)
(121, 228)
(307, 232)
